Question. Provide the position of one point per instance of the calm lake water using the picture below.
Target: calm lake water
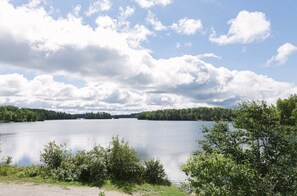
(170, 141)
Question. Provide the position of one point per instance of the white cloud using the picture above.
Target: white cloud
(187, 26)
(209, 55)
(76, 10)
(155, 22)
(125, 13)
(97, 6)
(106, 22)
(247, 27)
(119, 74)
(152, 3)
(283, 53)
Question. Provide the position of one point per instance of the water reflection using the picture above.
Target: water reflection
(171, 142)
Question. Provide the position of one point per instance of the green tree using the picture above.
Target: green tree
(262, 151)
(123, 163)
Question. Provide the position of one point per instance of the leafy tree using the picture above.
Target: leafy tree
(54, 155)
(123, 164)
(154, 172)
(262, 152)
(216, 174)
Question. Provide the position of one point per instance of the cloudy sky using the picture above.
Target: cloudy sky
(133, 55)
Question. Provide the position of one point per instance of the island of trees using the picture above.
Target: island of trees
(200, 113)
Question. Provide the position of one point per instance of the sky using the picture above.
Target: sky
(128, 56)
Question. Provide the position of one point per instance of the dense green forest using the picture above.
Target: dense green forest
(98, 115)
(257, 158)
(15, 114)
(201, 113)
(117, 116)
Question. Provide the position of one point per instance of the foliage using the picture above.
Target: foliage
(54, 155)
(118, 162)
(5, 160)
(287, 110)
(123, 163)
(154, 172)
(101, 193)
(262, 153)
(98, 115)
(91, 165)
(15, 114)
(216, 174)
(201, 113)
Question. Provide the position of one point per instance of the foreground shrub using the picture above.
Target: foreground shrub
(123, 163)
(214, 174)
(5, 160)
(53, 155)
(91, 165)
(154, 173)
(118, 162)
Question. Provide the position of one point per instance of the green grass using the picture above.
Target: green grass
(146, 189)
(13, 174)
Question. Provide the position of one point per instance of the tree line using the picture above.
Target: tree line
(200, 113)
(15, 114)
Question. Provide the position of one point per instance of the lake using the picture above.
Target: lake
(170, 141)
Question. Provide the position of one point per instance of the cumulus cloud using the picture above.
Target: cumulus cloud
(187, 26)
(151, 3)
(97, 6)
(155, 22)
(247, 27)
(283, 53)
(76, 10)
(119, 74)
(125, 13)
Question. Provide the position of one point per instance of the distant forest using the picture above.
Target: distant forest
(15, 114)
(200, 113)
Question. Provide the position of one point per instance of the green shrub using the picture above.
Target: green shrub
(123, 163)
(154, 173)
(53, 155)
(32, 171)
(5, 160)
(8, 170)
(91, 165)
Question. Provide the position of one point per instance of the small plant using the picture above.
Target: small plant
(5, 160)
(102, 193)
(154, 173)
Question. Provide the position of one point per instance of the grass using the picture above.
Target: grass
(13, 174)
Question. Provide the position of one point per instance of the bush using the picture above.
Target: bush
(5, 160)
(118, 162)
(123, 163)
(53, 155)
(91, 165)
(154, 173)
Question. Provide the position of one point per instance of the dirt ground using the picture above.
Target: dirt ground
(28, 189)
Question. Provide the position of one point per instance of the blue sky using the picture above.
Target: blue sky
(134, 55)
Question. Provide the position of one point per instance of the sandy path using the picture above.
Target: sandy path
(12, 189)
